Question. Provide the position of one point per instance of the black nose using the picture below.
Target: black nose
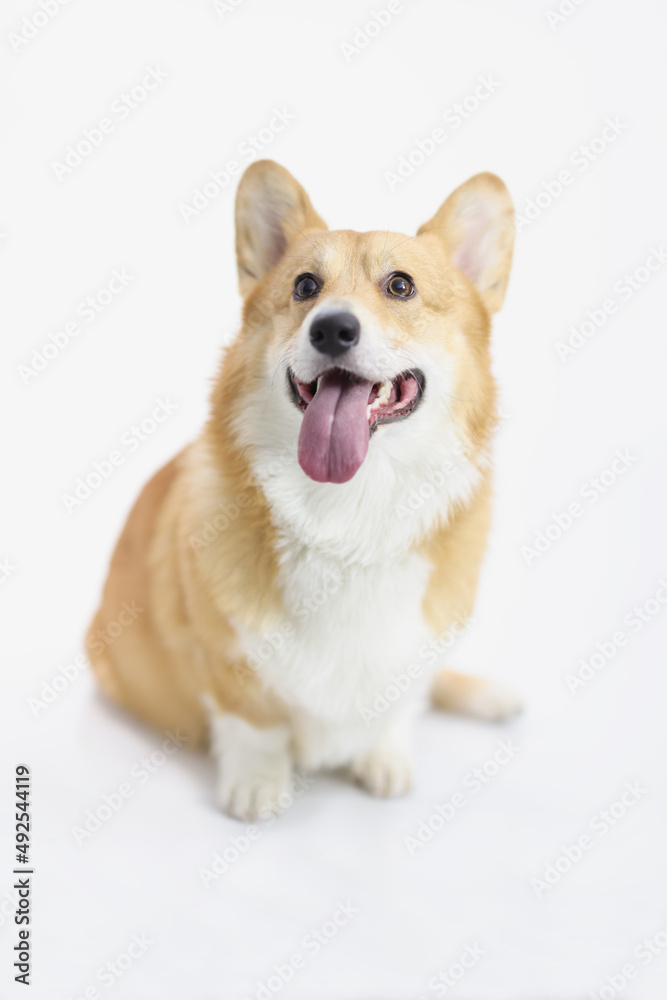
(334, 333)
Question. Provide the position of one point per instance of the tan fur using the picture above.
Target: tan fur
(194, 585)
(452, 691)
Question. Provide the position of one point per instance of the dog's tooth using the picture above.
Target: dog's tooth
(385, 392)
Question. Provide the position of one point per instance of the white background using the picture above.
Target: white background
(565, 420)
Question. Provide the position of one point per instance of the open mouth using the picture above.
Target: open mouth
(387, 401)
(341, 411)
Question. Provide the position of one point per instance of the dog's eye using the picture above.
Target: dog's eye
(305, 287)
(400, 285)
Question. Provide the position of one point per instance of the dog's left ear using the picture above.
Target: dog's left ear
(476, 223)
(271, 206)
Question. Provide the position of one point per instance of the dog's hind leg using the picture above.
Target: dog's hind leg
(475, 696)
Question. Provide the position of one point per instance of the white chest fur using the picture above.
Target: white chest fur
(352, 583)
(346, 634)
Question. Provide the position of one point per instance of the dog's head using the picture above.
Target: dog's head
(362, 345)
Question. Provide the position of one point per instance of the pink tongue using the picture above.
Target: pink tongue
(334, 434)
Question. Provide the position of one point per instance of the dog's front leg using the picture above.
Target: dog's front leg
(386, 769)
(254, 766)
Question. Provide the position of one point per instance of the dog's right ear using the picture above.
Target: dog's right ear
(476, 224)
(271, 206)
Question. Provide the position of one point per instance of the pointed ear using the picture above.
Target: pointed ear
(476, 223)
(270, 207)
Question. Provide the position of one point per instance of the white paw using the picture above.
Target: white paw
(251, 797)
(493, 702)
(254, 767)
(384, 772)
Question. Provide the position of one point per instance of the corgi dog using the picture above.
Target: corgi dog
(292, 570)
